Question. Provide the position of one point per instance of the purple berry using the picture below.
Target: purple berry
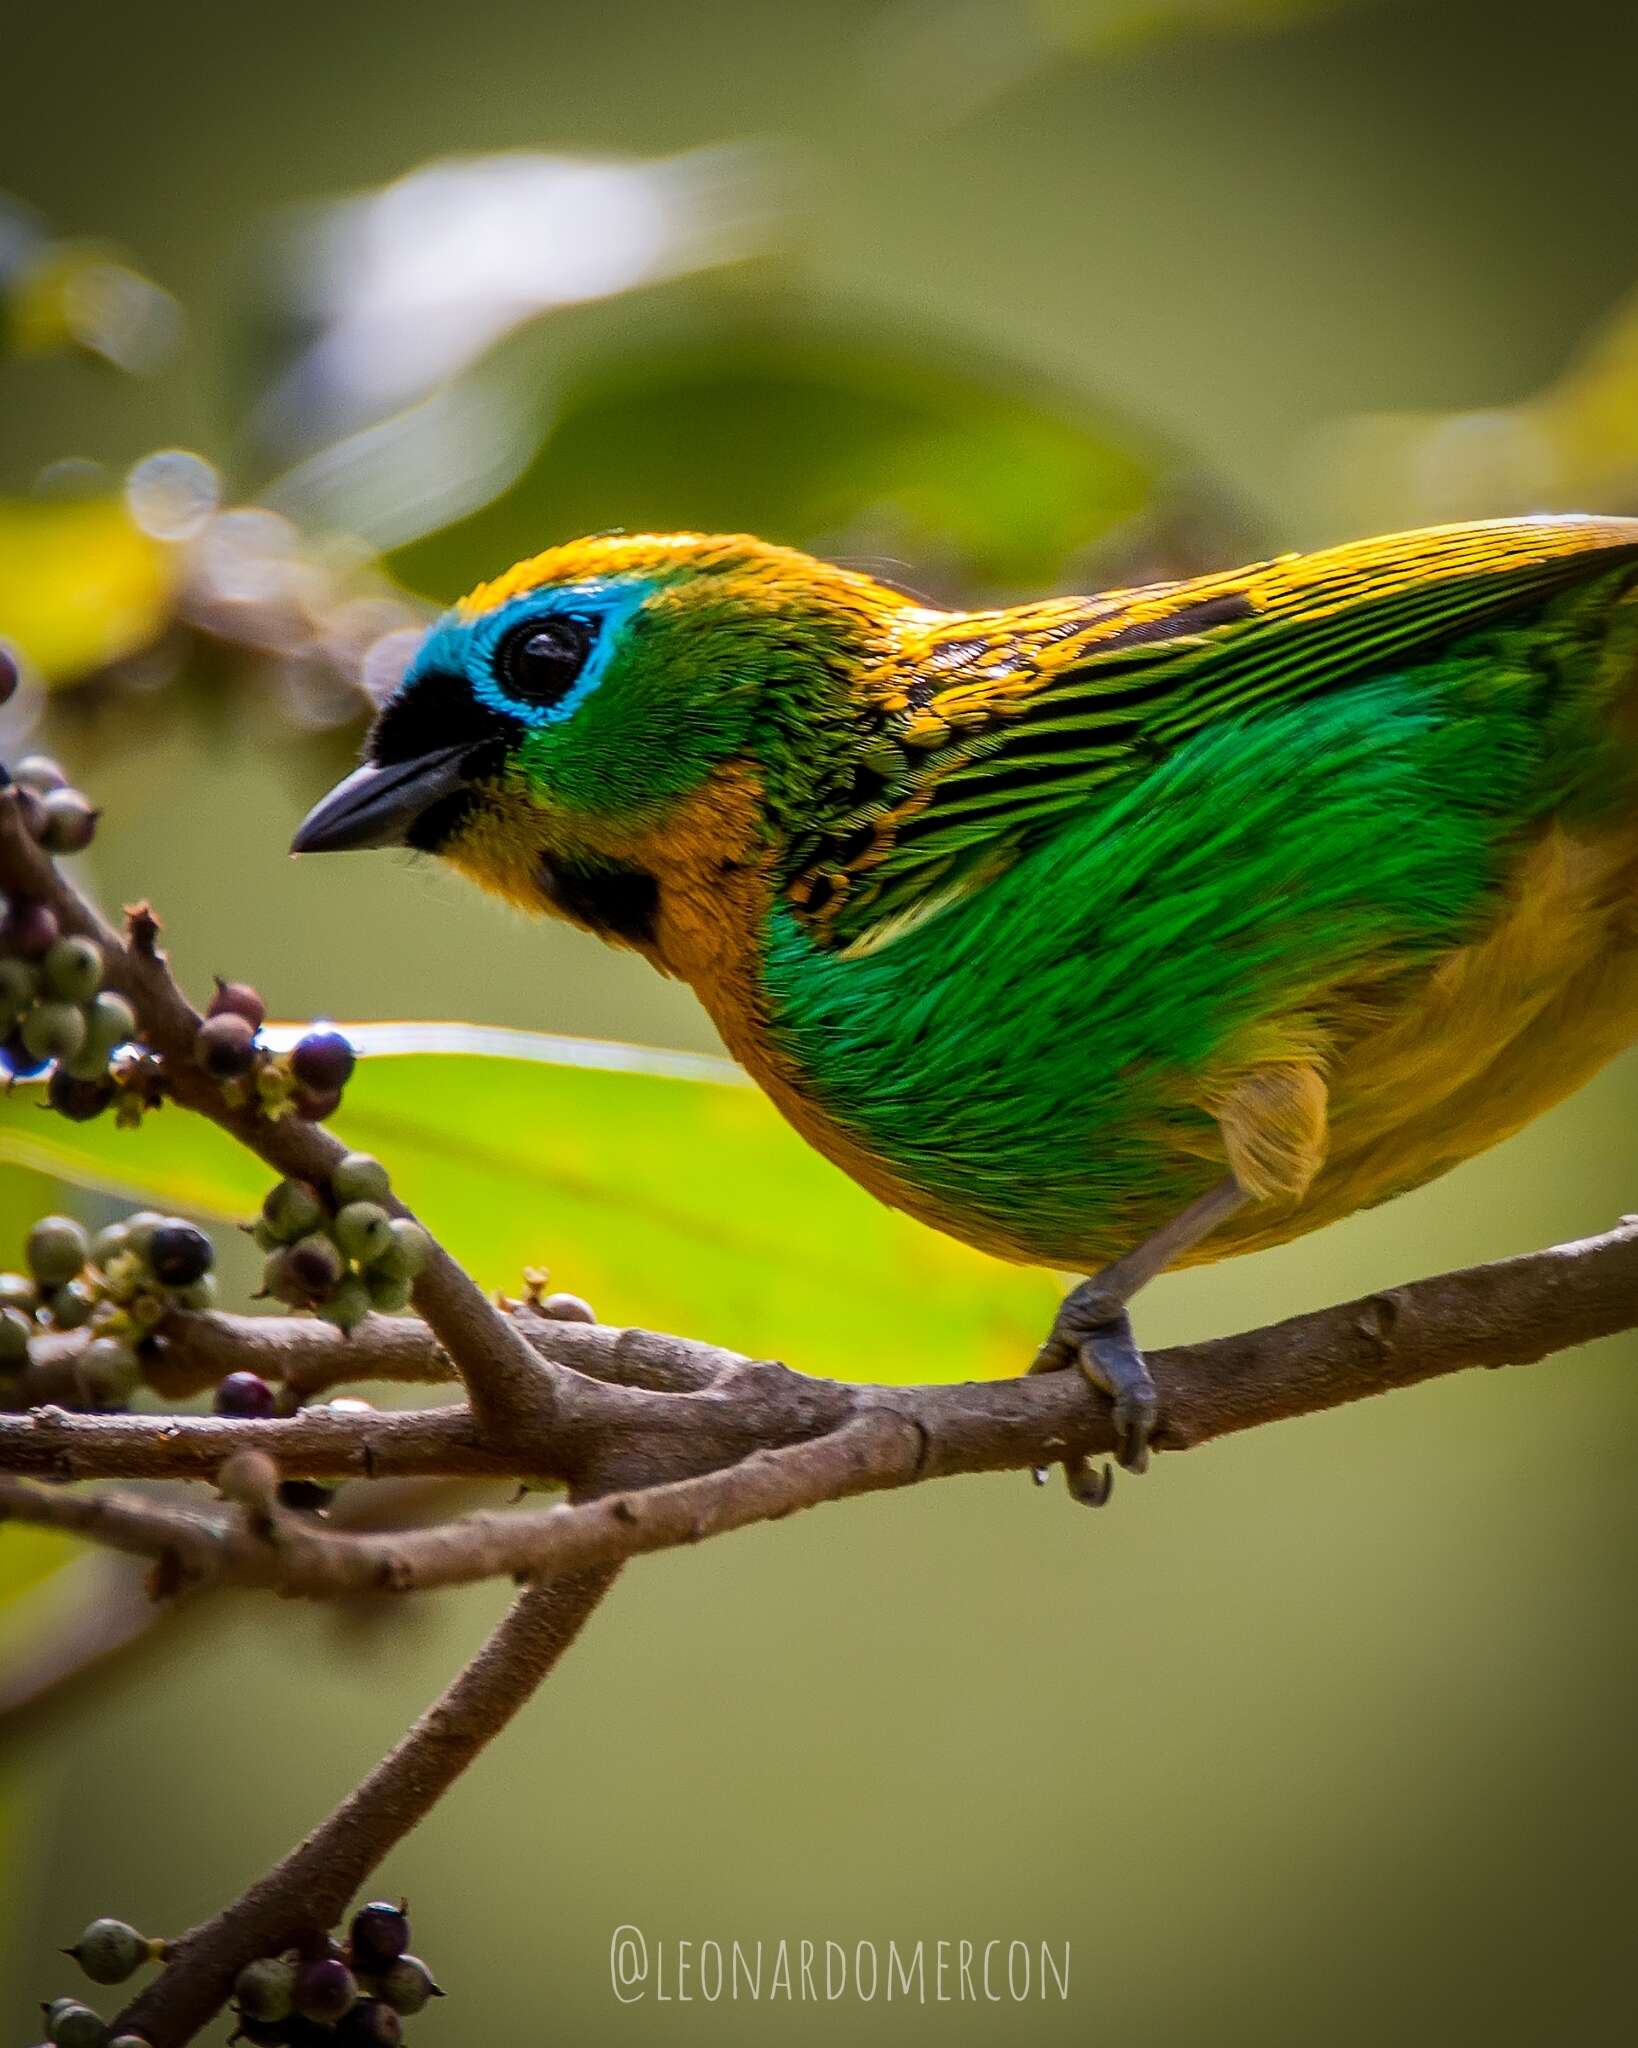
(246, 1395)
(79, 1100)
(179, 1253)
(17, 1060)
(372, 2023)
(325, 1990)
(313, 1105)
(379, 1934)
(238, 999)
(225, 1046)
(29, 929)
(323, 1060)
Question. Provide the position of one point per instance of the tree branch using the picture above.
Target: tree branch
(505, 1381)
(311, 1886)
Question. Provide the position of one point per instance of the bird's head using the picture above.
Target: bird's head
(559, 723)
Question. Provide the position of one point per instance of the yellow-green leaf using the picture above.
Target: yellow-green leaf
(660, 1186)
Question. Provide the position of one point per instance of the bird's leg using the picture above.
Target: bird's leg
(1093, 1331)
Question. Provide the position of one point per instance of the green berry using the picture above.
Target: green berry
(15, 1331)
(109, 1951)
(110, 1022)
(407, 1985)
(291, 1210)
(359, 1178)
(57, 1248)
(112, 1239)
(198, 1294)
(264, 1989)
(408, 1253)
(389, 1296)
(53, 1031)
(140, 1226)
(19, 1293)
(17, 989)
(73, 970)
(364, 1231)
(108, 1372)
(71, 1305)
(348, 1305)
(72, 2025)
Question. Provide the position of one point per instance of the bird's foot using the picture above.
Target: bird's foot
(1093, 1333)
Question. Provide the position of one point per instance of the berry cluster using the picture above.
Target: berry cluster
(320, 1994)
(108, 1952)
(54, 1008)
(122, 1283)
(306, 1081)
(338, 1251)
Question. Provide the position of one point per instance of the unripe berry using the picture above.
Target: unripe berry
(70, 822)
(57, 1248)
(15, 1331)
(248, 1395)
(39, 773)
(71, 1306)
(69, 2024)
(73, 970)
(109, 1951)
(18, 1293)
(389, 1295)
(379, 1934)
(110, 1022)
(109, 1242)
(53, 1031)
(29, 930)
(179, 1253)
(265, 1989)
(225, 1046)
(407, 1985)
(364, 1231)
(324, 1990)
(347, 1306)
(291, 1210)
(77, 1097)
(359, 1178)
(198, 1294)
(322, 1061)
(238, 999)
(408, 1253)
(108, 1371)
(140, 1226)
(18, 987)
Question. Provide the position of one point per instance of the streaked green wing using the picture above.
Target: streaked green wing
(1044, 707)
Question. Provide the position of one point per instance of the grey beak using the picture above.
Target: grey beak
(377, 806)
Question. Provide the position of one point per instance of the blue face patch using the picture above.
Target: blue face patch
(473, 647)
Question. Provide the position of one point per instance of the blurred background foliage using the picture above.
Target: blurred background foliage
(308, 321)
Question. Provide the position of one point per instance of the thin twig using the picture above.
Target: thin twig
(311, 1886)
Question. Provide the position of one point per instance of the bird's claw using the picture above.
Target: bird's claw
(1089, 1485)
(1111, 1361)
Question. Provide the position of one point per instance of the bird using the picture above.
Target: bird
(1107, 933)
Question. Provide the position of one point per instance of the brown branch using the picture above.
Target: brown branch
(778, 1443)
(311, 1886)
(505, 1381)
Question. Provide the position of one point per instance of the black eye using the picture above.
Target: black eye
(539, 663)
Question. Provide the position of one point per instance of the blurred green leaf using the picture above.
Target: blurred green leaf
(850, 438)
(81, 585)
(672, 1202)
